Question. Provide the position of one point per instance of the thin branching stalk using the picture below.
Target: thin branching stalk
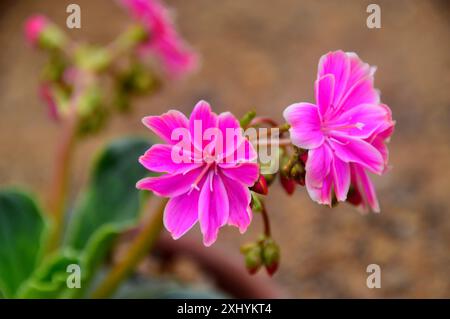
(138, 249)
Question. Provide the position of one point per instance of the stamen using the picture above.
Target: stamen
(211, 181)
(200, 176)
(357, 125)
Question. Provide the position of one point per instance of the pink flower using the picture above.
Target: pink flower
(211, 183)
(345, 131)
(34, 26)
(163, 41)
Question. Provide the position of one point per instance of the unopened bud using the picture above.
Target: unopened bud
(260, 186)
(288, 184)
(136, 34)
(298, 174)
(354, 196)
(52, 38)
(92, 58)
(34, 26)
(303, 157)
(256, 203)
(253, 258)
(247, 118)
(269, 178)
(90, 100)
(271, 255)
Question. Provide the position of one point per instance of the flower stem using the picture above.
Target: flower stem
(138, 249)
(266, 221)
(61, 177)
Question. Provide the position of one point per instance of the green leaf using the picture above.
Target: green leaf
(22, 234)
(111, 199)
(50, 279)
(110, 204)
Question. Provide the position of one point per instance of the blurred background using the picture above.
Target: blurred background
(262, 55)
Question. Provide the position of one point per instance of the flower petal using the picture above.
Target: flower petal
(358, 69)
(232, 136)
(358, 151)
(322, 194)
(239, 198)
(164, 125)
(181, 213)
(341, 178)
(366, 188)
(362, 92)
(336, 63)
(202, 118)
(213, 208)
(160, 158)
(305, 122)
(318, 165)
(245, 153)
(324, 88)
(245, 173)
(361, 121)
(170, 185)
(177, 57)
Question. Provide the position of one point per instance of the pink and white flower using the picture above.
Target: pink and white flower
(163, 40)
(212, 185)
(345, 130)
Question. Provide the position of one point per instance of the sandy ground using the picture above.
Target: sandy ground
(262, 55)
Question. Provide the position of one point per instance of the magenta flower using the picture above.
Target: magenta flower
(163, 39)
(211, 183)
(345, 131)
(34, 26)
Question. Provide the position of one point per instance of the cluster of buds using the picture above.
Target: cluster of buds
(263, 253)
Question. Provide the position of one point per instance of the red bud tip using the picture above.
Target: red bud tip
(260, 186)
(288, 184)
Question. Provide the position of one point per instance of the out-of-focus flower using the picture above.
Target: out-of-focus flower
(40, 32)
(163, 40)
(34, 26)
(342, 130)
(211, 182)
(46, 94)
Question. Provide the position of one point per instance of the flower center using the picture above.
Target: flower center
(204, 171)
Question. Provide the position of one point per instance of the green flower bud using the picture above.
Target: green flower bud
(270, 178)
(253, 258)
(271, 255)
(247, 118)
(256, 203)
(52, 38)
(92, 58)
